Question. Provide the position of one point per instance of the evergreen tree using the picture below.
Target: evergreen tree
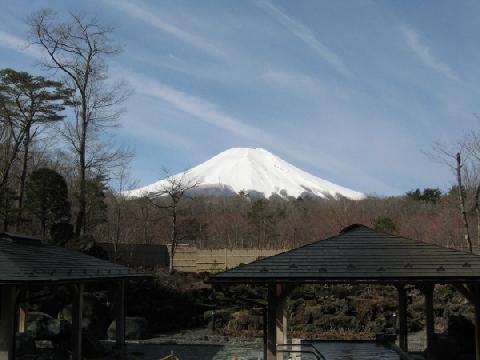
(385, 224)
(96, 210)
(429, 195)
(31, 101)
(47, 198)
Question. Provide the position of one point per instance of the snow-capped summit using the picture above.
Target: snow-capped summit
(255, 171)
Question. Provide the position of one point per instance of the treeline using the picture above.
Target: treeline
(241, 221)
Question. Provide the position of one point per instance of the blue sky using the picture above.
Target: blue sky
(352, 91)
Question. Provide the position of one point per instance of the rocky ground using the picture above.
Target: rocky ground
(198, 344)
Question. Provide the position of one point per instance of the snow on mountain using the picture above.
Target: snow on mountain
(254, 171)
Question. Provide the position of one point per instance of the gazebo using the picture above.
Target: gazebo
(26, 262)
(362, 255)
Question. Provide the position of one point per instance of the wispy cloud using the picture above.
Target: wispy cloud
(155, 134)
(306, 35)
(425, 55)
(18, 44)
(295, 82)
(200, 108)
(149, 16)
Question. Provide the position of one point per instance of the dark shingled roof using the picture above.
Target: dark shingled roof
(360, 254)
(26, 259)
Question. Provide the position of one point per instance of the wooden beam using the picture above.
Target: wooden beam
(21, 319)
(402, 318)
(474, 291)
(272, 301)
(8, 313)
(285, 321)
(281, 319)
(427, 291)
(120, 317)
(477, 329)
(265, 336)
(77, 308)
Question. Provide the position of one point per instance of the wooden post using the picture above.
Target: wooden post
(472, 294)
(429, 320)
(285, 321)
(477, 329)
(120, 316)
(272, 303)
(265, 336)
(21, 319)
(281, 319)
(475, 298)
(7, 322)
(226, 265)
(402, 318)
(77, 307)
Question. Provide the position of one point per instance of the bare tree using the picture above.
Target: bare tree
(122, 183)
(456, 161)
(174, 190)
(77, 48)
(472, 146)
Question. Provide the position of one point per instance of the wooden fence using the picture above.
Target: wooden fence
(191, 259)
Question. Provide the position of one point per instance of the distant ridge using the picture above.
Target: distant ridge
(257, 172)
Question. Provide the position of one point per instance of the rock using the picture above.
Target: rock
(95, 318)
(42, 326)
(463, 331)
(136, 328)
(54, 354)
(91, 346)
(87, 245)
(24, 345)
(446, 347)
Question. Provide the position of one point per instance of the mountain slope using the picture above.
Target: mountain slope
(255, 171)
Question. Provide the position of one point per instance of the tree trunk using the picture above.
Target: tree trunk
(6, 204)
(44, 229)
(173, 245)
(462, 202)
(82, 204)
(116, 239)
(477, 212)
(23, 177)
(11, 151)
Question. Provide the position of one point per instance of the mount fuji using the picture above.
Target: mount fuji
(254, 171)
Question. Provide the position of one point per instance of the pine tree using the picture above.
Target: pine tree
(47, 198)
(28, 102)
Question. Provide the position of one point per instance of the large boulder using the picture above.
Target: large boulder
(91, 346)
(95, 316)
(88, 245)
(42, 326)
(136, 328)
(54, 354)
(463, 331)
(24, 345)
